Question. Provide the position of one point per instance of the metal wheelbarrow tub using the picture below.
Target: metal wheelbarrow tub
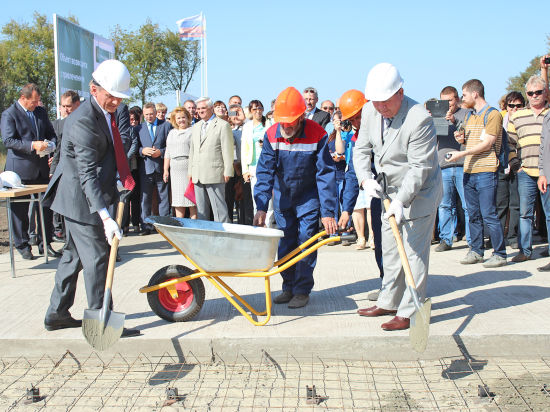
(221, 247)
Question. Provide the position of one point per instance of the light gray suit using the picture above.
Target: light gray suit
(210, 159)
(408, 156)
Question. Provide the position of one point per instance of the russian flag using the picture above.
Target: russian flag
(191, 27)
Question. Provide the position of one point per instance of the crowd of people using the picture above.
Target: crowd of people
(295, 167)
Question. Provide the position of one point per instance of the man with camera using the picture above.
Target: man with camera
(452, 173)
(524, 130)
(398, 134)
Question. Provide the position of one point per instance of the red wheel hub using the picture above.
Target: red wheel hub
(184, 299)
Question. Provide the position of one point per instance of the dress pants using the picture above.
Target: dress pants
(147, 182)
(20, 220)
(211, 197)
(508, 200)
(298, 224)
(85, 249)
(416, 235)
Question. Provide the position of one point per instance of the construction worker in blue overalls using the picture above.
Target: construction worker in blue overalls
(295, 167)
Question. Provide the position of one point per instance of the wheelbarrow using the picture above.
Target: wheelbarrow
(218, 250)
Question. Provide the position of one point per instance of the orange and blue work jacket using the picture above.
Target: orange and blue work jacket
(299, 172)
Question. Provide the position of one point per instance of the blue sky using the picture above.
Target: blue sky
(256, 49)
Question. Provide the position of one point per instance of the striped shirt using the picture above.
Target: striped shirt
(524, 130)
(486, 161)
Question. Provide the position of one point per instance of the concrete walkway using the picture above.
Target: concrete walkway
(477, 311)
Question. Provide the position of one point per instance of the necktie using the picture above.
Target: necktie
(203, 129)
(31, 117)
(151, 132)
(120, 157)
(387, 124)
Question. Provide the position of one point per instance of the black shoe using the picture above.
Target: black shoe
(118, 258)
(128, 333)
(284, 297)
(33, 240)
(298, 301)
(51, 252)
(125, 231)
(58, 237)
(145, 232)
(26, 254)
(544, 253)
(62, 323)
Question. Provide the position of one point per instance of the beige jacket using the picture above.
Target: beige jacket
(211, 158)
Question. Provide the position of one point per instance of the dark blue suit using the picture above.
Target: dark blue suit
(18, 133)
(152, 170)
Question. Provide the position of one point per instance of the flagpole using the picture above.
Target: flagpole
(205, 60)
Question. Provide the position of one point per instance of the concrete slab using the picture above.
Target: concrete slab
(484, 312)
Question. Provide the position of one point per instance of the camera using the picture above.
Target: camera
(232, 113)
(547, 60)
(346, 125)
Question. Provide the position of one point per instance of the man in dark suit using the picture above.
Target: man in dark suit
(25, 127)
(70, 100)
(312, 112)
(152, 145)
(84, 188)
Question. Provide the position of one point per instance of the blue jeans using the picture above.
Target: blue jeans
(339, 199)
(527, 188)
(453, 178)
(480, 192)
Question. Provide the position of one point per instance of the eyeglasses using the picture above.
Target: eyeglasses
(535, 92)
(327, 108)
(515, 106)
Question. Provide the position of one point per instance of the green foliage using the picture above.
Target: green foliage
(141, 51)
(27, 56)
(179, 62)
(26, 53)
(517, 83)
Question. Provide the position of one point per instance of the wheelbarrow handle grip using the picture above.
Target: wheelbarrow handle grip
(400, 247)
(346, 235)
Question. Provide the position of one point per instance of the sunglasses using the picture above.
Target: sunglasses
(535, 92)
(515, 106)
(310, 90)
(327, 108)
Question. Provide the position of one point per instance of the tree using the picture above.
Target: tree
(518, 82)
(180, 61)
(142, 52)
(27, 56)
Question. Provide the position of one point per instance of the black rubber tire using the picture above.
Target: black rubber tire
(196, 285)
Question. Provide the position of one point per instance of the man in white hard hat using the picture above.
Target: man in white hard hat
(398, 134)
(84, 189)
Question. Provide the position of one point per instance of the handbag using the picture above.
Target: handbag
(190, 192)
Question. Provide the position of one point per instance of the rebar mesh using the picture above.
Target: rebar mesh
(123, 383)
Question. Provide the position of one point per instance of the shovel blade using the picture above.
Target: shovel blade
(102, 335)
(420, 326)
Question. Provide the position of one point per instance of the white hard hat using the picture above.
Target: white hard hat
(11, 179)
(383, 82)
(114, 77)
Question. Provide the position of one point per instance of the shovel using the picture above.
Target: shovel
(102, 327)
(420, 320)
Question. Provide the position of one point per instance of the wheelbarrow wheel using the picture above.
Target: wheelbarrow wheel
(190, 295)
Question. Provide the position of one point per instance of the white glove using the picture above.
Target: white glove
(119, 186)
(372, 188)
(111, 230)
(396, 209)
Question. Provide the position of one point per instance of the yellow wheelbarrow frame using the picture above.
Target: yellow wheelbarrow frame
(215, 278)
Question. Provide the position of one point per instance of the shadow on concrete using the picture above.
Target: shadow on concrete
(439, 285)
(483, 301)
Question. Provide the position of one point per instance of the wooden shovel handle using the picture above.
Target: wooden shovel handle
(114, 248)
(400, 247)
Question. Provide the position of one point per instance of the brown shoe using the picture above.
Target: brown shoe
(520, 258)
(375, 311)
(397, 323)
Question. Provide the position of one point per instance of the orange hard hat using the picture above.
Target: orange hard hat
(290, 105)
(351, 102)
